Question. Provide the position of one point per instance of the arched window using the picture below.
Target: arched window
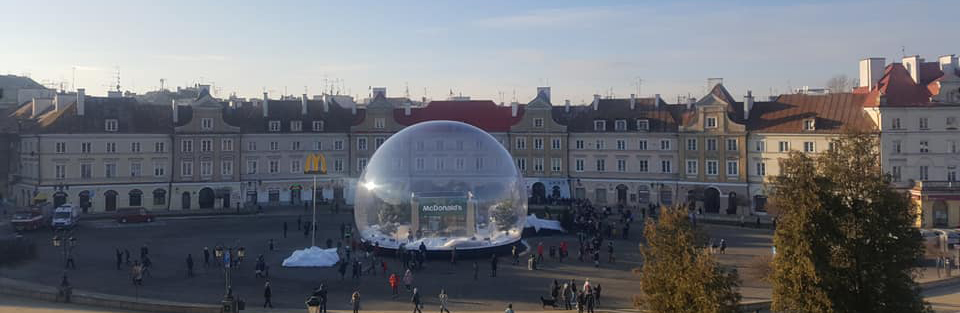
(110, 200)
(136, 198)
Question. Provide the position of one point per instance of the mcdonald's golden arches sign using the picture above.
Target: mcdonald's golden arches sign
(315, 163)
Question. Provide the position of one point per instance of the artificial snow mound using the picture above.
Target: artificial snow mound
(312, 257)
(537, 223)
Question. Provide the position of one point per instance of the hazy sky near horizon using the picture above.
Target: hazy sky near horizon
(477, 48)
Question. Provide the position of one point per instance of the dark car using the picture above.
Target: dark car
(134, 215)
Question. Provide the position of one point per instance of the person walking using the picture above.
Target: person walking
(443, 301)
(306, 230)
(355, 300)
(589, 299)
(267, 294)
(126, 256)
(453, 256)
(284, 229)
(610, 257)
(407, 279)
(493, 265)
(723, 246)
(321, 294)
(596, 257)
(343, 269)
(136, 274)
(393, 285)
(540, 251)
(596, 295)
(189, 265)
(206, 257)
(476, 270)
(119, 258)
(144, 251)
(564, 296)
(515, 253)
(563, 250)
(509, 308)
(415, 299)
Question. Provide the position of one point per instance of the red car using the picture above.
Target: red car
(134, 215)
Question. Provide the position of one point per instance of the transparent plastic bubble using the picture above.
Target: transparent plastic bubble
(445, 184)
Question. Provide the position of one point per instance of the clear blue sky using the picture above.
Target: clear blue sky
(477, 48)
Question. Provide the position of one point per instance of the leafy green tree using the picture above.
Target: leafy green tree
(845, 240)
(679, 274)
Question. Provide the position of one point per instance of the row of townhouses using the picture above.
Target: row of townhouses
(717, 152)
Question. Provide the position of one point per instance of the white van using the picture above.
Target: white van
(66, 216)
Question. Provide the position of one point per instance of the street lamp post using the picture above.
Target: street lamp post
(315, 164)
(67, 242)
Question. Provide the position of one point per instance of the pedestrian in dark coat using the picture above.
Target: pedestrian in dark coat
(306, 231)
(355, 300)
(206, 256)
(126, 256)
(493, 265)
(321, 294)
(119, 258)
(343, 269)
(284, 229)
(415, 299)
(267, 294)
(144, 251)
(189, 265)
(596, 294)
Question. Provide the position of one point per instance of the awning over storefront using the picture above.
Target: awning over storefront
(40, 197)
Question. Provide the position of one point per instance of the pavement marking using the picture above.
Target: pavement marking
(114, 224)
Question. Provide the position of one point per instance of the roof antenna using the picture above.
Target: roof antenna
(406, 92)
(118, 78)
(639, 85)
(903, 51)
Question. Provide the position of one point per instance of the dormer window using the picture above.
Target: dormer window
(296, 126)
(538, 122)
(600, 125)
(379, 123)
(274, 126)
(318, 126)
(206, 123)
(620, 125)
(643, 125)
(110, 125)
(809, 124)
(711, 122)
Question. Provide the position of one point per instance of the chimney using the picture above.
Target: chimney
(406, 108)
(871, 69)
(912, 64)
(747, 105)
(514, 108)
(633, 101)
(379, 91)
(303, 104)
(176, 115)
(265, 103)
(596, 102)
(544, 91)
(690, 101)
(40, 104)
(58, 102)
(948, 64)
(566, 105)
(81, 98)
(656, 100)
(326, 103)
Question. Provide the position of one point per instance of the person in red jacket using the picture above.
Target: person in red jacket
(393, 285)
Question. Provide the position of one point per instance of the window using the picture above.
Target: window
(317, 145)
(711, 122)
(110, 125)
(420, 164)
(621, 165)
(206, 168)
(620, 125)
(111, 147)
(338, 145)
(273, 166)
(538, 165)
(361, 144)
(642, 144)
(692, 167)
(897, 146)
(556, 164)
(895, 124)
(159, 169)
(274, 126)
(206, 123)
(226, 145)
(924, 123)
(643, 125)
(538, 122)
(61, 171)
(338, 165)
(601, 165)
(186, 168)
(578, 144)
(712, 167)
(732, 144)
(760, 146)
(459, 145)
(600, 144)
(578, 165)
(761, 169)
(295, 167)
(251, 166)
(86, 170)
(251, 146)
(621, 144)
(665, 144)
(317, 126)
(226, 167)
(666, 166)
(809, 146)
(521, 143)
(135, 147)
(555, 144)
(379, 123)
(833, 144)
(377, 142)
(295, 146)
(296, 126)
(85, 147)
(733, 168)
(924, 172)
(135, 169)
(522, 164)
(206, 145)
(186, 145)
(692, 144)
(953, 146)
(420, 146)
(538, 143)
(784, 146)
(438, 164)
(600, 125)
(711, 144)
(924, 147)
(274, 146)
(459, 163)
(643, 166)
(61, 147)
(952, 173)
(159, 147)
(809, 124)
(159, 197)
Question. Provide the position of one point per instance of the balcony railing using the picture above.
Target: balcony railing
(937, 185)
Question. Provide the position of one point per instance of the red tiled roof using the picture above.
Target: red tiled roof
(899, 89)
(833, 113)
(483, 114)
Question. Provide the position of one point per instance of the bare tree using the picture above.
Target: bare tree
(839, 83)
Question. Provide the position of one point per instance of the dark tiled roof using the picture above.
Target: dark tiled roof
(131, 116)
(250, 118)
(663, 118)
(483, 114)
(833, 113)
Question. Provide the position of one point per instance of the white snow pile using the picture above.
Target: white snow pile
(538, 223)
(312, 257)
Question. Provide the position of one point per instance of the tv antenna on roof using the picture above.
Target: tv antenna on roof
(117, 77)
(639, 85)
(406, 92)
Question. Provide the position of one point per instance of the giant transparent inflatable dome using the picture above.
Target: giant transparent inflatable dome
(444, 184)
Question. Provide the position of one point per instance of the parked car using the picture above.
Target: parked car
(134, 215)
(953, 237)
